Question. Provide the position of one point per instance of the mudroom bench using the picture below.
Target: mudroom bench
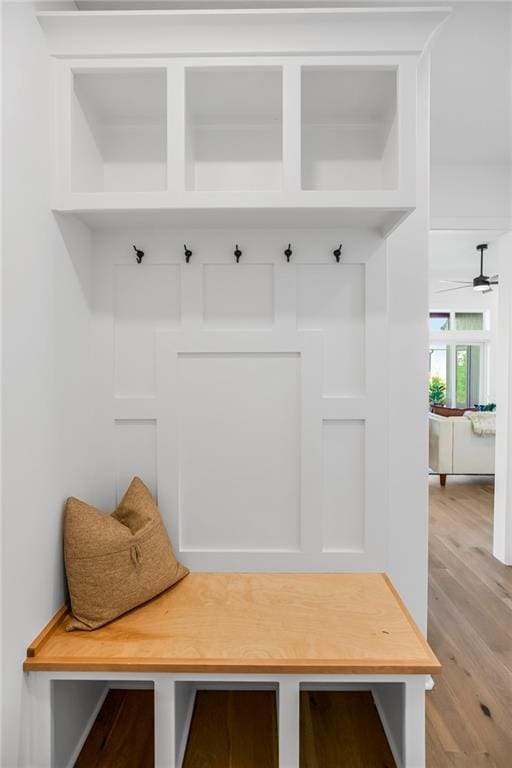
(286, 632)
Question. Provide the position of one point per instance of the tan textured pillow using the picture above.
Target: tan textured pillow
(116, 562)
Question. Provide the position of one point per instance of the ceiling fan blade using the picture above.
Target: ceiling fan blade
(461, 282)
(494, 279)
(458, 288)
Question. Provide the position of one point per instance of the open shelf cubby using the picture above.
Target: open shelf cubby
(342, 728)
(233, 728)
(119, 131)
(234, 128)
(349, 128)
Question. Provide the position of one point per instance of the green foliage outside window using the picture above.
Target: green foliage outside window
(437, 391)
(461, 378)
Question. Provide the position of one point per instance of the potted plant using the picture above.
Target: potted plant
(437, 391)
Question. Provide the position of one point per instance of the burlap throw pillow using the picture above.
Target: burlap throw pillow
(116, 562)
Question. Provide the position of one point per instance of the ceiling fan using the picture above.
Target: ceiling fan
(481, 282)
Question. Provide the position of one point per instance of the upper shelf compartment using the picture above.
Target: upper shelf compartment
(118, 131)
(234, 128)
(269, 116)
(349, 128)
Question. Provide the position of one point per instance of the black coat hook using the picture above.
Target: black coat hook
(288, 252)
(139, 255)
(337, 253)
(237, 253)
(188, 253)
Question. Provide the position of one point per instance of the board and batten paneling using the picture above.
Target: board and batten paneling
(238, 298)
(239, 427)
(337, 308)
(249, 396)
(136, 453)
(144, 299)
(343, 517)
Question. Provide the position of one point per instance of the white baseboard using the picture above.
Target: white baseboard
(88, 726)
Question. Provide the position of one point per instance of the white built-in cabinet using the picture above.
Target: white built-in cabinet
(256, 126)
(324, 137)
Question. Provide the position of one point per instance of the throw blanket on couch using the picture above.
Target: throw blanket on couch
(483, 422)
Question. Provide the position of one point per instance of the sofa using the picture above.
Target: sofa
(454, 448)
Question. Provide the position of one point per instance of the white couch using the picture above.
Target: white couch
(454, 449)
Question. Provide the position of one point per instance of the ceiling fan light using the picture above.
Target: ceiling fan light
(481, 283)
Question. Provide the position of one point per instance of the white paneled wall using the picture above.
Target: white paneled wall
(239, 451)
(343, 525)
(337, 308)
(144, 299)
(238, 297)
(248, 395)
(135, 450)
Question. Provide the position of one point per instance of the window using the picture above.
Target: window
(458, 357)
(439, 370)
(467, 375)
(439, 321)
(456, 321)
(469, 321)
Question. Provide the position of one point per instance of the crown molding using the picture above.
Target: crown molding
(246, 31)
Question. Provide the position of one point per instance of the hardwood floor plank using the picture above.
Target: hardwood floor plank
(470, 629)
(123, 733)
(233, 729)
(342, 728)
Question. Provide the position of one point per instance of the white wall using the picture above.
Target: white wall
(249, 396)
(471, 151)
(407, 285)
(502, 544)
(46, 364)
(453, 256)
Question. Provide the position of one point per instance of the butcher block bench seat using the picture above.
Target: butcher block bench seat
(310, 623)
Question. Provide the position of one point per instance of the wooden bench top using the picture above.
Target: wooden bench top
(311, 623)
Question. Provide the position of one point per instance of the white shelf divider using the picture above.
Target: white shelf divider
(176, 136)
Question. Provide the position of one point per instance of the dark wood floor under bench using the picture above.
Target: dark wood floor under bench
(470, 629)
(238, 729)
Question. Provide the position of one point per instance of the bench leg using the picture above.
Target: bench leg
(442, 480)
(288, 724)
(38, 749)
(165, 724)
(414, 727)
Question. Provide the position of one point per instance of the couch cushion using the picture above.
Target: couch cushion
(116, 562)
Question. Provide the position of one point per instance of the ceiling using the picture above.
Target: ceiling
(456, 252)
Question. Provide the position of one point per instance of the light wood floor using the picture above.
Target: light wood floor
(469, 712)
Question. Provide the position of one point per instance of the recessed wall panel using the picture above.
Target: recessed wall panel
(238, 296)
(239, 451)
(343, 507)
(331, 298)
(146, 297)
(136, 453)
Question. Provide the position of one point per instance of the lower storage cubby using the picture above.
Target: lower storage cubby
(342, 728)
(123, 734)
(235, 728)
